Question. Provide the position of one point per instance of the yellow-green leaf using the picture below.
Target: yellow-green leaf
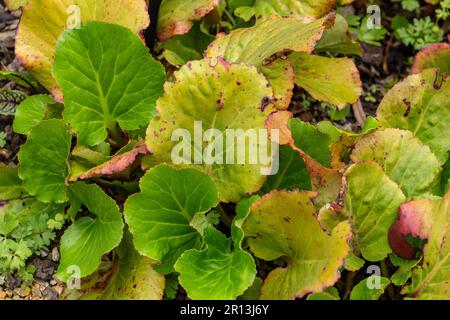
(44, 20)
(332, 80)
(282, 224)
(219, 96)
(256, 44)
(421, 104)
(404, 158)
(371, 203)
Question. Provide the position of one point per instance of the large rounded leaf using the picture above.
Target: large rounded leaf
(88, 239)
(43, 161)
(421, 104)
(283, 224)
(371, 202)
(159, 217)
(107, 76)
(404, 158)
(216, 272)
(44, 20)
(227, 97)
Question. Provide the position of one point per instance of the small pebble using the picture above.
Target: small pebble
(36, 291)
(44, 252)
(21, 292)
(55, 254)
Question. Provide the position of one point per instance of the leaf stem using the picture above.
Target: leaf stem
(116, 136)
(385, 273)
(230, 16)
(224, 216)
(349, 284)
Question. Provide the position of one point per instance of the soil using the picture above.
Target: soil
(380, 68)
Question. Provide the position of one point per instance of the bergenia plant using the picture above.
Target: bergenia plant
(186, 172)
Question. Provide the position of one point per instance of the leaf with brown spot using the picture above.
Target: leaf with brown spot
(256, 44)
(421, 104)
(280, 75)
(282, 224)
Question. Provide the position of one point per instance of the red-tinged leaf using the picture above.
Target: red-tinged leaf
(415, 221)
(436, 55)
(177, 16)
(117, 164)
(327, 182)
(279, 121)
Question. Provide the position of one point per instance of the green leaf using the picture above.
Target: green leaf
(254, 45)
(364, 290)
(404, 158)
(10, 185)
(283, 224)
(134, 277)
(181, 49)
(403, 272)
(31, 112)
(204, 96)
(430, 279)
(217, 272)
(330, 293)
(177, 16)
(43, 21)
(420, 104)
(353, 263)
(338, 40)
(43, 161)
(108, 77)
(88, 239)
(332, 80)
(159, 216)
(9, 100)
(242, 213)
(8, 220)
(254, 291)
(371, 202)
